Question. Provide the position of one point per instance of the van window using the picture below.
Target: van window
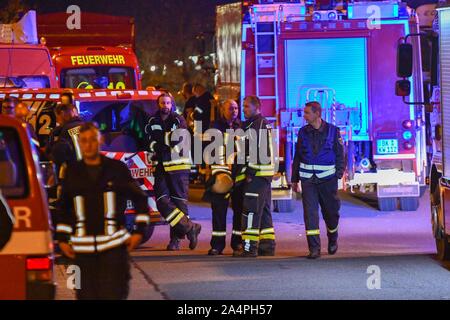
(13, 177)
(122, 123)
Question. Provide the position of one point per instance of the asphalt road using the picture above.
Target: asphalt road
(382, 255)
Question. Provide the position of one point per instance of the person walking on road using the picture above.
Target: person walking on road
(318, 164)
(91, 227)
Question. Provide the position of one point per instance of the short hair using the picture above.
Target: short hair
(228, 102)
(188, 87)
(11, 100)
(166, 95)
(87, 126)
(68, 95)
(64, 108)
(198, 85)
(254, 100)
(315, 106)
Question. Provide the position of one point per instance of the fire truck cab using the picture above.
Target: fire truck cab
(121, 116)
(289, 53)
(97, 55)
(26, 262)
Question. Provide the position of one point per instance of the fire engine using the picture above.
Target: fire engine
(27, 259)
(343, 56)
(100, 54)
(433, 36)
(121, 115)
(19, 43)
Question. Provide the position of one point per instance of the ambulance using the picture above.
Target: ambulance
(121, 116)
(99, 54)
(26, 262)
(342, 55)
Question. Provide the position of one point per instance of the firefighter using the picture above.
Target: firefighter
(63, 148)
(256, 174)
(219, 187)
(318, 164)
(9, 105)
(94, 199)
(63, 145)
(172, 171)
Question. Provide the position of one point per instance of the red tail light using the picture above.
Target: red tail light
(43, 263)
(408, 146)
(407, 124)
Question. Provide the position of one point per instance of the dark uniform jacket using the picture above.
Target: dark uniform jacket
(223, 125)
(63, 144)
(316, 150)
(92, 206)
(260, 136)
(202, 110)
(159, 134)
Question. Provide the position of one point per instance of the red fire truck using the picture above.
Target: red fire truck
(121, 115)
(19, 43)
(98, 55)
(436, 100)
(26, 262)
(344, 57)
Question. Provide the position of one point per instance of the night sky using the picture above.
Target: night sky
(166, 30)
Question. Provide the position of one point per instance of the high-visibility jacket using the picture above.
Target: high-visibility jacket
(63, 145)
(169, 153)
(319, 153)
(92, 208)
(258, 137)
(224, 165)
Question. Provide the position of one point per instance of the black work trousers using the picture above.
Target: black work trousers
(171, 192)
(219, 206)
(104, 275)
(323, 194)
(258, 232)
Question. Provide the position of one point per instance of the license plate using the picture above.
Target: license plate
(387, 146)
(398, 191)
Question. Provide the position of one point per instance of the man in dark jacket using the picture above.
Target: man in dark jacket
(318, 164)
(94, 199)
(229, 120)
(63, 147)
(172, 171)
(256, 174)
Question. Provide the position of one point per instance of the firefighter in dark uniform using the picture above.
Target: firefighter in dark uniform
(62, 147)
(219, 188)
(94, 199)
(172, 170)
(258, 235)
(318, 164)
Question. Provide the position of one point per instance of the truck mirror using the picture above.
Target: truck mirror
(49, 176)
(6, 222)
(404, 60)
(402, 88)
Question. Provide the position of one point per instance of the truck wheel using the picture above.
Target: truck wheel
(129, 224)
(442, 245)
(285, 205)
(443, 249)
(387, 204)
(409, 203)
